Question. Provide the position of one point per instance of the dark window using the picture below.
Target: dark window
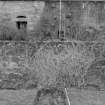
(21, 23)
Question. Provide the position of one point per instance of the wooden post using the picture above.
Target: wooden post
(67, 97)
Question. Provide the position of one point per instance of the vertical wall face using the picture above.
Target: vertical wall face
(11, 10)
(48, 25)
(38, 17)
(29, 13)
(83, 20)
(71, 15)
(41, 19)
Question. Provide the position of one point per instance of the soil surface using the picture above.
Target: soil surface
(76, 97)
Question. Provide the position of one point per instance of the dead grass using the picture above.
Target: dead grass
(54, 58)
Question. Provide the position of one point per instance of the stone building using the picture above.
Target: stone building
(28, 18)
(83, 20)
(50, 19)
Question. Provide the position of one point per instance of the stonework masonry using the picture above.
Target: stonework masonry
(40, 19)
(34, 16)
(9, 11)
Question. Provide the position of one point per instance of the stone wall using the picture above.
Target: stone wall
(10, 10)
(83, 20)
(41, 17)
(79, 20)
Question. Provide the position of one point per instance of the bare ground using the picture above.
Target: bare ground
(76, 96)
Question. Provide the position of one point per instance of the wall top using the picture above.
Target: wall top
(52, 0)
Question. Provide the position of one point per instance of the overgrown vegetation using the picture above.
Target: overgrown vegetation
(50, 63)
(7, 33)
